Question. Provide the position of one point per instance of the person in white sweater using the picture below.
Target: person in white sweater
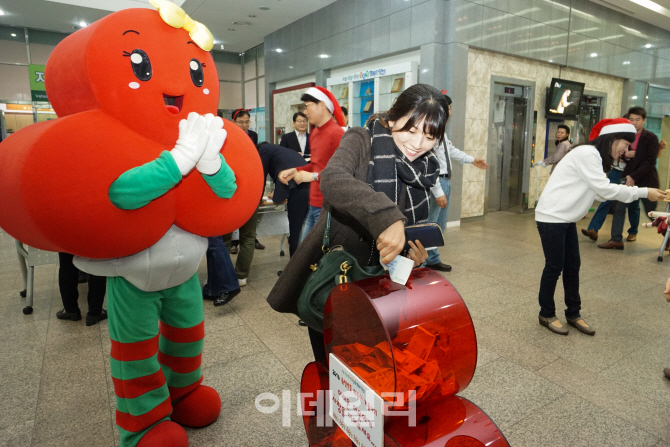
(439, 194)
(577, 180)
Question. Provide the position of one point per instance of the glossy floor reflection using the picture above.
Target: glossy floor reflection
(540, 388)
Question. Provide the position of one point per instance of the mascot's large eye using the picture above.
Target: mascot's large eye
(141, 65)
(197, 76)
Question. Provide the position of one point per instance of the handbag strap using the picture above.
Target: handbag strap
(326, 234)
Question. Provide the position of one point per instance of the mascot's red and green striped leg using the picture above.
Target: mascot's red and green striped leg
(149, 381)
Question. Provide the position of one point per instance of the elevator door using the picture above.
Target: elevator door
(507, 141)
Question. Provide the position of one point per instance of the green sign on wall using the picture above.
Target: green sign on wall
(38, 89)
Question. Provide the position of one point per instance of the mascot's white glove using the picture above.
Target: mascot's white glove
(210, 162)
(193, 137)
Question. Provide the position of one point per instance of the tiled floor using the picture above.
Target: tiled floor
(541, 389)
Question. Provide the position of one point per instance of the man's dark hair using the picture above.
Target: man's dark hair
(448, 99)
(309, 98)
(419, 102)
(297, 114)
(345, 112)
(604, 146)
(564, 127)
(239, 113)
(638, 111)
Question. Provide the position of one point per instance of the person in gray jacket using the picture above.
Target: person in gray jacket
(562, 146)
(377, 181)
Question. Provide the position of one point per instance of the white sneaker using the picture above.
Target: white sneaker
(242, 282)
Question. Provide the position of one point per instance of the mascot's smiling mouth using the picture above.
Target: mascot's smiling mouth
(173, 103)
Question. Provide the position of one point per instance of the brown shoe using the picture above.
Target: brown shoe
(554, 325)
(631, 237)
(609, 245)
(582, 326)
(592, 234)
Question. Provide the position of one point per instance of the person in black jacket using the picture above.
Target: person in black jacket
(243, 119)
(298, 140)
(276, 159)
(640, 171)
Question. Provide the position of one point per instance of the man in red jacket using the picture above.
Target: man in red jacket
(320, 108)
(640, 171)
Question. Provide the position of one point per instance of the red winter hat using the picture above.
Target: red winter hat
(611, 125)
(329, 100)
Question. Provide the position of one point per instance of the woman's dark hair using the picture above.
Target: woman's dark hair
(448, 100)
(604, 146)
(239, 113)
(419, 102)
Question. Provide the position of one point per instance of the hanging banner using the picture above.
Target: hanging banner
(38, 88)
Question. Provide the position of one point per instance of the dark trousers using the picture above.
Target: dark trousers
(318, 345)
(247, 246)
(633, 215)
(297, 207)
(221, 277)
(561, 255)
(68, 280)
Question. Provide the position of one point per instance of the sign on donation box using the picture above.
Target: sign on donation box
(355, 407)
(38, 89)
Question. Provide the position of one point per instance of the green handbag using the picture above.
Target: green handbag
(336, 266)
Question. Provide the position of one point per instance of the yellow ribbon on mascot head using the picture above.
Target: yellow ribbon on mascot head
(176, 17)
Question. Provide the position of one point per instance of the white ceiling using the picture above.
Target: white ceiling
(634, 9)
(217, 15)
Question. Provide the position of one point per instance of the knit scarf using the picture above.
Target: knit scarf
(388, 166)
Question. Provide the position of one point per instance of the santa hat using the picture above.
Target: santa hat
(329, 100)
(611, 125)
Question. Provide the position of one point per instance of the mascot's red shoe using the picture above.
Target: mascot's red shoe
(198, 408)
(165, 434)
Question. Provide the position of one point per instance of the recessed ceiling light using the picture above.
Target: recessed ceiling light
(648, 45)
(241, 23)
(264, 8)
(323, 56)
(222, 47)
(594, 54)
(13, 35)
(83, 24)
(551, 60)
(626, 62)
(279, 50)
(2, 13)
(634, 97)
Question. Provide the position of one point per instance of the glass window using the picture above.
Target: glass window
(228, 65)
(42, 44)
(250, 95)
(230, 96)
(637, 100)
(250, 64)
(15, 85)
(261, 92)
(13, 48)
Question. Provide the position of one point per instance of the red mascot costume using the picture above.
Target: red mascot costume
(131, 178)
